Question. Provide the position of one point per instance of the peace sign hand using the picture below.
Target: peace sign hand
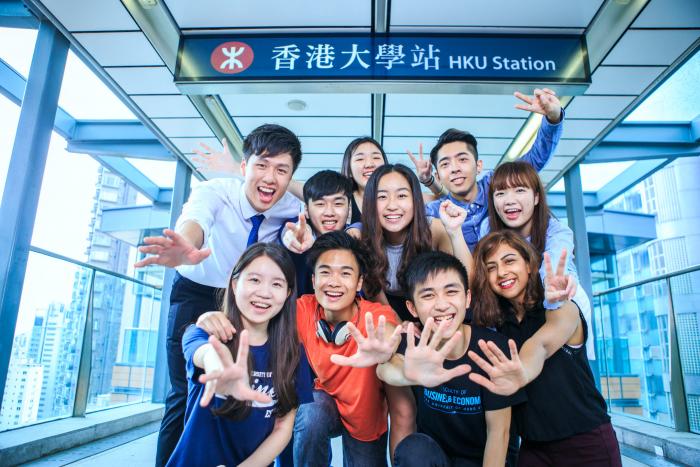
(211, 160)
(374, 349)
(544, 102)
(423, 364)
(227, 377)
(452, 216)
(424, 168)
(505, 376)
(298, 237)
(558, 286)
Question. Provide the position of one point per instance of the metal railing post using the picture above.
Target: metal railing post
(678, 402)
(85, 366)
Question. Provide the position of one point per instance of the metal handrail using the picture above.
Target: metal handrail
(94, 268)
(647, 281)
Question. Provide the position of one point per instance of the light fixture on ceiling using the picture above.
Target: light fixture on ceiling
(297, 105)
(148, 4)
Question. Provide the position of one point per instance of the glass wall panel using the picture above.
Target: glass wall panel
(43, 372)
(9, 116)
(633, 351)
(124, 336)
(686, 306)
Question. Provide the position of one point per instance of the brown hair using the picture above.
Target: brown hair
(281, 334)
(489, 308)
(515, 174)
(418, 239)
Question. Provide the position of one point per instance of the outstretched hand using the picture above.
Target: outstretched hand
(424, 168)
(208, 159)
(423, 363)
(544, 102)
(171, 250)
(452, 216)
(558, 286)
(506, 375)
(228, 377)
(298, 236)
(374, 349)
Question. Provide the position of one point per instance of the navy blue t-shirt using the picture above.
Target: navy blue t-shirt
(454, 413)
(208, 440)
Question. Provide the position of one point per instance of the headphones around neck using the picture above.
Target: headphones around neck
(337, 336)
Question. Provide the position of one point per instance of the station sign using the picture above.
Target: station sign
(397, 58)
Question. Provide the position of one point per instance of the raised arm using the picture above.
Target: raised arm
(545, 103)
(451, 239)
(424, 169)
(223, 163)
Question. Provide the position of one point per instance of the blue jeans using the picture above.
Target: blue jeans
(316, 423)
(420, 450)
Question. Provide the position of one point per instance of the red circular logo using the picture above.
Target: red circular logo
(232, 57)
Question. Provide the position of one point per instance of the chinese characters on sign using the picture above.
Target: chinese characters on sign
(453, 57)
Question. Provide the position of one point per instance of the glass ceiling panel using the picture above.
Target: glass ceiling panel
(677, 99)
(17, 48)
(85, 97)
(162, 173)
(596, 176)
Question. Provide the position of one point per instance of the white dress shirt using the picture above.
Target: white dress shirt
(223, 211)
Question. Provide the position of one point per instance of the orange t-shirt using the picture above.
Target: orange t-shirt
(358, 393)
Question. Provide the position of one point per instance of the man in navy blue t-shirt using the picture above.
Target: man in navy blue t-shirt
(458, 422)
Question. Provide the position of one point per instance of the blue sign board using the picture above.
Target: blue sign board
(396, 57)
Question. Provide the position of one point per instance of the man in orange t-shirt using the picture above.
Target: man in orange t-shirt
(349, 400)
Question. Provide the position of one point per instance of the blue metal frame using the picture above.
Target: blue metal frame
(21, 196)
(161, 383)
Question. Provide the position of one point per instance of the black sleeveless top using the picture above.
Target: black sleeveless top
(563, 400)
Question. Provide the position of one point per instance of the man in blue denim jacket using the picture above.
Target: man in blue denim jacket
(456, 161)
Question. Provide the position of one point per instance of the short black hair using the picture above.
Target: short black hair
(450, 136)
(339, 240)
(325, 183)
(428, 264)
(270, 140)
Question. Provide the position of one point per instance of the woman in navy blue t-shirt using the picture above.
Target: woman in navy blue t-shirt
(242, 412)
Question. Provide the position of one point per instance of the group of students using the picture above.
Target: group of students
(434, 324)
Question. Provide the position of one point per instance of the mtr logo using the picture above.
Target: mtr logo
(232, 57)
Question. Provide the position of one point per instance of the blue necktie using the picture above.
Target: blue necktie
(253, 237)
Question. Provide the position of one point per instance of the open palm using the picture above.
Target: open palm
(423, 363)
(505, 376)
(374, 349)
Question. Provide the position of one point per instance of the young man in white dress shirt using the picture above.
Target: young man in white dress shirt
(219, 221)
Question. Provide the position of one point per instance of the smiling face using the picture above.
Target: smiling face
(336, 280)
(260, 291)
(364, 161)
(457, 169)
(394, 205)
(516, 206)
(266, 179)
(442, 297)
(328, 213)
(508, 273)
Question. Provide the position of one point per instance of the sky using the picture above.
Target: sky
(63, 217)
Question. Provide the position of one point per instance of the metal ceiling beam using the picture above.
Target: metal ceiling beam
(609, 24)
(380, 25)
(630, 177)
(42, 12)
(134, 177)
(13, 14)
(162, 31)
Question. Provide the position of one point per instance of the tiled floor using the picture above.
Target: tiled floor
(140, 452)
